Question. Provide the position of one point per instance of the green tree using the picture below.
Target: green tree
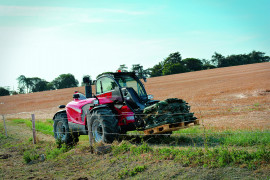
(257, 57)
(173, 58)
(24, 84)
(218, 59)
(173, 64)
(193, 64)
(140, 72)
(123, 68)
(13, 92)
(239, 59)
(65, 81)
(32, 84)
(4, 92)
(157, 70)
(39, 85)
(173, 69)
(50, 86)
(147, 72)
(207, 64)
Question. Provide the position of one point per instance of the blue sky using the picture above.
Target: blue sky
(86, 37)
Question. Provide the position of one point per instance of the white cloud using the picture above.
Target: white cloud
(61, 11)
(51, 19)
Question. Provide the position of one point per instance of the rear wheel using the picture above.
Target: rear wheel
(104, 126)
(61, 130)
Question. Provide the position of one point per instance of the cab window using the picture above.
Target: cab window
(105, 84)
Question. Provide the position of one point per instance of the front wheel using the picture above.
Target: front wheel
(61, 130)
(103, 126)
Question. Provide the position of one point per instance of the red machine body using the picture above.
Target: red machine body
(75, 113)
(115, 108)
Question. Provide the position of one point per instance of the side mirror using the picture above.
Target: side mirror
(144, 79)
(61, 106)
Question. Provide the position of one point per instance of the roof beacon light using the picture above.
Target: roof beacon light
(119, 70)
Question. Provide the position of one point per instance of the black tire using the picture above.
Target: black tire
(61, 130)
(104, 126)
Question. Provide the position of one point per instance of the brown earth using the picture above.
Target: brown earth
(225, 98)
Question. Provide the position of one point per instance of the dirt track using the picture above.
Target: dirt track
(225, 98)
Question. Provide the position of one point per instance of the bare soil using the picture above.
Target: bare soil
(235, 97)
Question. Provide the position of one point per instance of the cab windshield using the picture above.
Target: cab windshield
(128, 81)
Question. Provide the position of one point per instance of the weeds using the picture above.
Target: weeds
(30, 155)
(249, 149)
(53, 153)
(131, 172)
(144, 148)
(123, 147)
(197, 156)
(2, 136)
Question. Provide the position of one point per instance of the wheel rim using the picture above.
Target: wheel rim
(97, 131)
(61, 131)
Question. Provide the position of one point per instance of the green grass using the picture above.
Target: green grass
(30, 155)
(202, 147)
(189, 136)
(196, 135)
(197, 156)
(185, 153)
(197, 147)
(44, 127)
(131, 171)
(57, 152)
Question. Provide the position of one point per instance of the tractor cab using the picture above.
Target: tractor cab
(123, 88)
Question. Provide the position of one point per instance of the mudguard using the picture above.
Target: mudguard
(60, 111)
(98, 107)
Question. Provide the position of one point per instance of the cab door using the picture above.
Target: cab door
(109, 88)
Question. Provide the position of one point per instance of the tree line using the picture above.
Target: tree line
(173, 64)
(36, 84)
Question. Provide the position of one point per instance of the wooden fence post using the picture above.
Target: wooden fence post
(5, 125)
(90, 135)
(34, 129)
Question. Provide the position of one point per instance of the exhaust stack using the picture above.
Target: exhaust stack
(88, 87)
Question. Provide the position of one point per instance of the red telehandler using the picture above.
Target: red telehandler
(117, 107)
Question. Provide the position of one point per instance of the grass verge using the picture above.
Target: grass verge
(44, 127)
(196, 156)
(148, 157)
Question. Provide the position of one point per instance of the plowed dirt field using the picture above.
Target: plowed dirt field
(225, 98)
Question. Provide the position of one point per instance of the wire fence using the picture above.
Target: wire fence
(200, 132)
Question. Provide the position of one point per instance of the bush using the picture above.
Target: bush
(131, 172)
(4, 92)
(53, 153)
(30, 155)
